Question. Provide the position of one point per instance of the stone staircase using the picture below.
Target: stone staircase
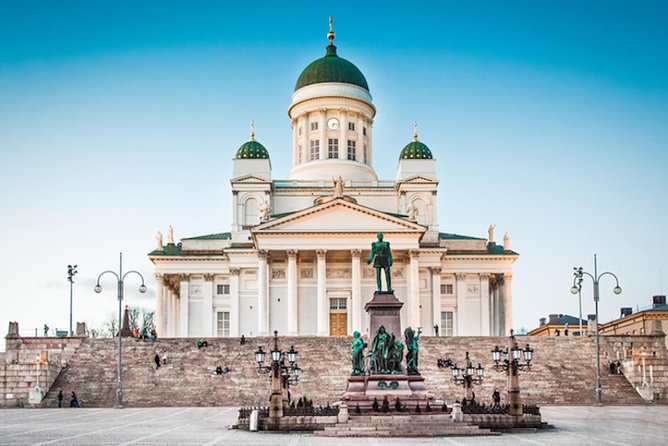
(562, 374)
(434, 425)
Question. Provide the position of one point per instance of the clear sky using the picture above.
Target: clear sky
(549, 119)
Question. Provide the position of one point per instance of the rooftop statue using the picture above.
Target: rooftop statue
(338, 187)
(413, 349)
(381, 255)
(358, 347)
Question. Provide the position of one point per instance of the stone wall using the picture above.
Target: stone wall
(563, 371)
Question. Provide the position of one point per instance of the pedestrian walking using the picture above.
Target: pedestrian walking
(74, 401)
(60, 399)
(157, 361)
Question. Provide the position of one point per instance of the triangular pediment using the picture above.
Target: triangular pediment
(250, 179)
(418, 179)
(339, 216)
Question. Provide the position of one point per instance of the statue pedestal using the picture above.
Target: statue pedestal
(384, 309)
(362, 390)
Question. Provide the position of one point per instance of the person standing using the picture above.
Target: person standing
(74, 401)
(46, 330)
(156, 358)
(496, 397)
(60, 399)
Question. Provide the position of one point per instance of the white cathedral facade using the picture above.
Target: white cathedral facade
(295, 258)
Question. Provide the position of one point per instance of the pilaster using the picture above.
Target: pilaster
(234, 302)
(293, 286)
(183, 304)
(485, 315)
(356, 304)
(413, 310)
(208, 305)
(322, 309)
(262, 301)
(435, 296)
(461, 295)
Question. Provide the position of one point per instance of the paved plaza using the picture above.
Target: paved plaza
(646, 425)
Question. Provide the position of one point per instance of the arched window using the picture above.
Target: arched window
(251, 212)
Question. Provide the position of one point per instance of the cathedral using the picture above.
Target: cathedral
(295, 257)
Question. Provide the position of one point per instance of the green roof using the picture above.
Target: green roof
(252, 150)
(331, 68)
(167, 250)
(450, 236)
(416, 150)
(217, 236)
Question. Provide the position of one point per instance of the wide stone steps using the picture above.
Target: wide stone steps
(562, 372)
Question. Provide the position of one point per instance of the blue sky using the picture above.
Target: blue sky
(120, 118)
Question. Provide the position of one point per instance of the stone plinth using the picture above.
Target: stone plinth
(362, 390)
(384, 309)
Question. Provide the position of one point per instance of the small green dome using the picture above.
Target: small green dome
(331, 68)
(416, 150)
(252, 150)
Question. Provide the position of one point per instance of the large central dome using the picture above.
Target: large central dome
(331, 68)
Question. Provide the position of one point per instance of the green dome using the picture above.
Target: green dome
(416, 150)
(252, 150)
(331, 68)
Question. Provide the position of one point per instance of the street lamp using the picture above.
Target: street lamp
(120, 278)
(466, 376)
(282, 375)
(71, 271)
(579, 274)
(511, 364)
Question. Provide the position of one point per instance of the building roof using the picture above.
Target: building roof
(416, 150)
(452, 236)
(167, 250)
(252, 150)
(216, 236)
(331, 68)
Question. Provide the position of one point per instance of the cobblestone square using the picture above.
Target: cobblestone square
(582, 425)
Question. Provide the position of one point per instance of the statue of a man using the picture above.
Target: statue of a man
(158, 239)
(412, 350)
(382, 259)
(412, 212)
(358, 347)
(170, 235)
(264, 211)
(490, 233)
(380, 350)
(506, 241)
(338, 187)
(396, 356)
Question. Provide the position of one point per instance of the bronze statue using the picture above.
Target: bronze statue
(358, 354)
(380, 350)
(412, 350)
(381, 254)
(396, 356)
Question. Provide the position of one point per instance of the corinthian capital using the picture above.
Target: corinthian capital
(356, 253)
(414, 253)
(262, 254)
(321, 253)
(292, 253)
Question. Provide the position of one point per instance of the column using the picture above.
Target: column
(508, 302)
(436, 297)
(235, 211)
(295, 143)
(262, 301)
(356, 298)
(343, 138)
(413, 312)
(322, 126)
(234, 302)
(293, 313)
(484, 305)
(159, 305)
(359, 125)
(183, 304)
(306, 149)
(461, 293)
(323, 323)
(208, 305)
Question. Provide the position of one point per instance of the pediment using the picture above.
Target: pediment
(419, 179)
(339, 216)
(250, 179)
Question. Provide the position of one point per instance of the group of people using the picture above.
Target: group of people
(74, 401)
(615, 368)
(145, 334)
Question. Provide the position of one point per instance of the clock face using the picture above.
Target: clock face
(333, 123)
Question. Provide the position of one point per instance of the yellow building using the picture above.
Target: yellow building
(559, 325)
(647, 321)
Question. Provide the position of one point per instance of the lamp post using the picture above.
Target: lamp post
(281, 374)
(120, 279)
(71, 271)
(511, 365)
(466, 376)
(579, 274)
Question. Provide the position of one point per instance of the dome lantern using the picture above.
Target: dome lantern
(252, 149)
(415, 149)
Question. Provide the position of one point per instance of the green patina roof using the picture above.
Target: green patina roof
(217, 236)
(449, 236)
(252, 150)
(167, 250)
(331, 68)
(416, 150)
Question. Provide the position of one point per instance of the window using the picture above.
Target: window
(366, 157)
(251, 212)
(223, 324)
(222, 289)
(446, 289)
(364, 131)
(351, 150)
(351, 126)
(315, 149)
(447, 328)
(333, 148)
(314, 126)
(337, 303)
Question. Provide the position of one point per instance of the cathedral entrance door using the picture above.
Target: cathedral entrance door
(338, 317)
